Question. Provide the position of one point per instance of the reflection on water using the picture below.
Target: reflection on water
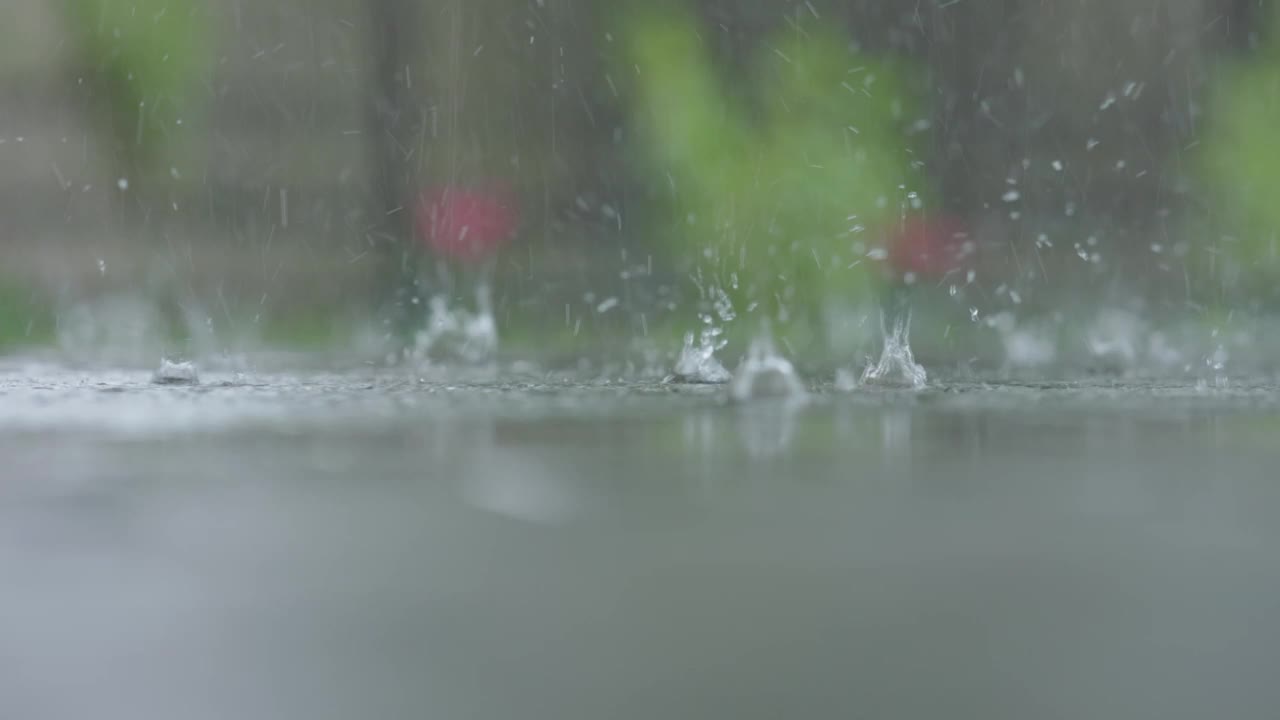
(767, 428)
(325, 547)
(895, 433)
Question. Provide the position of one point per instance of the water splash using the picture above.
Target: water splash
(897, 366)
(1216, 362)
(723, 305)
(458, 335)
(1163, 354)
(1025, 347)
(1115, 339)
(698, 363)
(765, 373)
(173, 372)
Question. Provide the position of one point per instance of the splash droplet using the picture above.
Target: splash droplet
(697, 362)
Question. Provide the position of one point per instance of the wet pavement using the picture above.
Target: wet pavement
(376, 544)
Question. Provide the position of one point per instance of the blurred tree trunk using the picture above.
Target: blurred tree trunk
(1237, 25)
(388, 132)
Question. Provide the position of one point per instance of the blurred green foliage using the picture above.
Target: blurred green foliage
(25, 318)
(777, 194)
(143, 59)
(1240, 159)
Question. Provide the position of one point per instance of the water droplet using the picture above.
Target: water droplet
(697, 362)
(724, 306)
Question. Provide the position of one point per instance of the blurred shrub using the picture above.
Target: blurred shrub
(777, 195)
(1240, 158)
(25, 319)
(143, 61)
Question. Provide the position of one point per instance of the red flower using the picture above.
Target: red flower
(468, 225)
(930, 247)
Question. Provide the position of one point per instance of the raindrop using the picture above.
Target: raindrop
(723, 305)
